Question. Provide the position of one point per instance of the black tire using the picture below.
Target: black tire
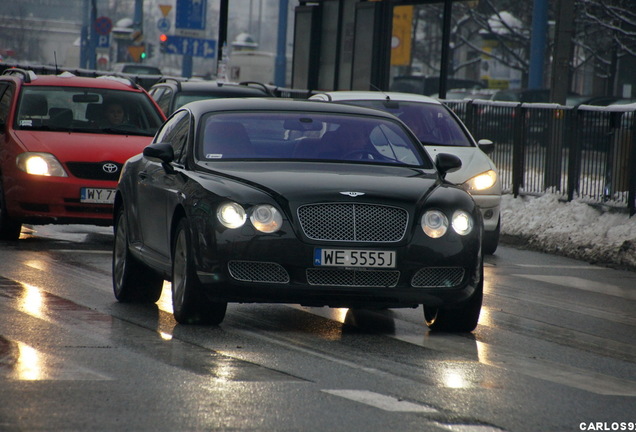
(462, 319)
(189, 303)
(133, 282)
(491, 240)
(10, 229)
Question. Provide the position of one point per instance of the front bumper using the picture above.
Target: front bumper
(490, 206)
(43, 200)
(433, 272)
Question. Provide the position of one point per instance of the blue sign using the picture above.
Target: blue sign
(103, 41)
(196, 47)
(163, 25)
(191, 14)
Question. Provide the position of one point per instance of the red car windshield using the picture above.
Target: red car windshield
(91, 110)
(308, 136)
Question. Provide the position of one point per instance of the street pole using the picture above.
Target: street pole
(281, 48)
(538, 41)
(562, 57)
(446, 30)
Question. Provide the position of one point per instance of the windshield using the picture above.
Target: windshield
(308, 136)
(90, 110)
(432, 124)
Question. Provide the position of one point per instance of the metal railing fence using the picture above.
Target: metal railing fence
(585, 152)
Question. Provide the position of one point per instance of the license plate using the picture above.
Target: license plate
(354, 258)
(97, 196)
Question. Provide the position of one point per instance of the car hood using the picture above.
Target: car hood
(83, 147)
(474, 161)
(328, 181)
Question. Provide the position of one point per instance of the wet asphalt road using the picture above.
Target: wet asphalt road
(555, 351)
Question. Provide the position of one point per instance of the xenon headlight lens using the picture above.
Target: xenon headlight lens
(434, 223)
(266, 218)
(462, 222)
(482, 181)
(41, 164)
(231, 215)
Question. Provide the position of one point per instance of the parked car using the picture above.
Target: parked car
(136, 68)
(287, 201)
(429, 86)
(60, 157)
(172, 94)
(441, 131)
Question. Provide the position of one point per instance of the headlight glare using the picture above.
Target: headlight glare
(40, 164)
(231, 215)
(266, 218)
(434, 223)
(482, 181)
(462, 223)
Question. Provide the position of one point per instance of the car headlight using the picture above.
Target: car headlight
(482, 181)
(41, 164)
(231, 215)
(434, 223)
(266, 218)
(462, 222)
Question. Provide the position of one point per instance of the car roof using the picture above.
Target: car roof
(272, 104)
(211, 86)
(69, 80)
(336, 96)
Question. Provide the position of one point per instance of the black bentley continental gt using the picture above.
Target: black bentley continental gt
(280, 201)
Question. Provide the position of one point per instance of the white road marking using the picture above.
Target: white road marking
(469, 428)
(583, 284)
(383, 402)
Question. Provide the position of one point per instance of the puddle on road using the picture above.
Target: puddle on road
(144, 330)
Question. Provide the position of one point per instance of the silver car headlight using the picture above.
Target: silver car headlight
(231, 215)
(266, 218)
(462, 222)
(41, 164)
(434, 223)
(482, 181)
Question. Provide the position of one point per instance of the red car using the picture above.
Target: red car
(63, 142)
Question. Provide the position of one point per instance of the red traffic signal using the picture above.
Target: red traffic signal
(163, 37)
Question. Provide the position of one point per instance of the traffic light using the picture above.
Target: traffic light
(163, 42)
(144, 54)
(150, 50)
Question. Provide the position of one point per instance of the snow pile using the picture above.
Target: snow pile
(574, 229)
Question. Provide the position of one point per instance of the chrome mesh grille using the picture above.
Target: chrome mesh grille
(438, 277)
(254, 271)
(353, 222)
(355, 277)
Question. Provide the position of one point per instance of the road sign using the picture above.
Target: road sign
(191, 14)
(195, 47)
(163, 25)
(103, 41)
(103, 25)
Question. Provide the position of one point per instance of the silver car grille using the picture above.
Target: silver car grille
(348, 222)
(438, 277)
(353, 277)
(254, 271)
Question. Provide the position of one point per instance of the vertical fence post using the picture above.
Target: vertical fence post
(572, 141)
(631, 170)
(518, 150)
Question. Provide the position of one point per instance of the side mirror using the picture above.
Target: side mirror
(161, 151)
(486, 145)
(446, 163)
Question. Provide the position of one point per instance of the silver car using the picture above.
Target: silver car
(440, 131)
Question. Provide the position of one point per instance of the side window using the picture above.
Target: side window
(6, 92)
(176, 131)
(164, 100)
